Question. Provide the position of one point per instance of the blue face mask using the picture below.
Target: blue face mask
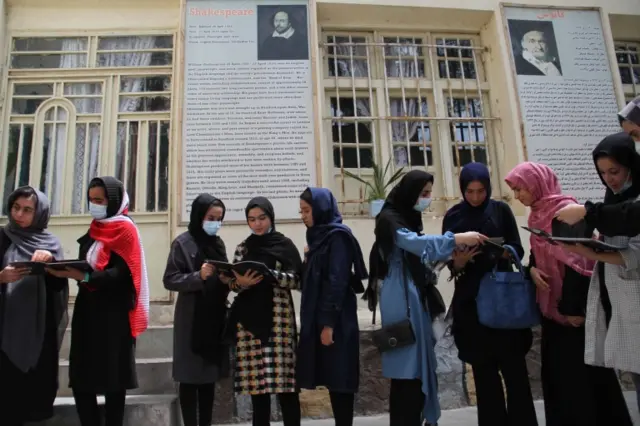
(211, 227)
(98, 211)
(422, 204)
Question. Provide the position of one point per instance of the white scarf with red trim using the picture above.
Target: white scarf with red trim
(118, 234)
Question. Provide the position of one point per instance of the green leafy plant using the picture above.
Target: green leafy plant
(378, 185)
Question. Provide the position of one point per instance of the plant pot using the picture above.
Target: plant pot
(374, 207)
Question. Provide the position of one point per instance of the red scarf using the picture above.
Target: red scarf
(122, 238)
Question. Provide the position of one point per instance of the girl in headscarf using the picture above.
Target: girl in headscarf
(33, 312)
(111, 308)
(613, 330)
(574, 393)
(398, 258)
(199, 356)
(264, 319)
(329, 348)
(490, 352)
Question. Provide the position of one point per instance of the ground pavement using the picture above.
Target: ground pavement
(459, 417)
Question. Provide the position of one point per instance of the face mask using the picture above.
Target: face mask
(98, 211)
(422, 204)
(268, 231)
(627, 185)
(211, 227)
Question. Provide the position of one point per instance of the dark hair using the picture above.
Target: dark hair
(22, 192)
(97, 183)
(306, 196)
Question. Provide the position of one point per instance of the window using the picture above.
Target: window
(627, 54)
(416, 100)
(107, 120)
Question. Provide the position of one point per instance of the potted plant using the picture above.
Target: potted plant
(377, 186)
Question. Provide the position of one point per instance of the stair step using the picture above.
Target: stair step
(154, 377)
(155, 342)
(140, 410)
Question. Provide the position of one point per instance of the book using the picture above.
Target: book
(596, 245)
(39, 268)
(241, 268)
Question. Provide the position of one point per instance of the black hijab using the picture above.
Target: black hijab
(209, 312)
(253, 307)
(622, 149)
(115, 192)
(397, 213)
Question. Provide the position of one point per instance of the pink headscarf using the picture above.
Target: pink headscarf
(542, 183)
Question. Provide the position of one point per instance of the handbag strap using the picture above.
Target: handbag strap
(515, 259)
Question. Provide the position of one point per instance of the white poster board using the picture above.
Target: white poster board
(248, 108)
(565, 86)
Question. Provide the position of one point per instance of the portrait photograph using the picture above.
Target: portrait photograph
(283, 33)
(535, 50)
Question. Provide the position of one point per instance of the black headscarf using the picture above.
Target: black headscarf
(397, 213)
(622, 149)
(253, 308)
(209, 312)
(464, 217)
(114, 190)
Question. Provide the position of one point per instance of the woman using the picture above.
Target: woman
(111, 308)
(329, 347)
(199, 357)
(398, 257)
(612, 328)
(264, 318)
(574, 393)
(33, 312)
(490, 352)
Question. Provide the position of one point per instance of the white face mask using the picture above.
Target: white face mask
(98, 211)
(422, 204)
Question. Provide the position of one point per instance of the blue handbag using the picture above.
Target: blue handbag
(507, 300)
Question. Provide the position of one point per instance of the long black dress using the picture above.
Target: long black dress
(576, 393)
(29, 397)
(102, 357)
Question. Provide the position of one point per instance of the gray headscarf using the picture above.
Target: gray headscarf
(25, 307)
(631, 111)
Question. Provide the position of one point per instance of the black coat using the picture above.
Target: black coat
(29, 397)
(333, 303)
(612, 220)
(102, 357)
(477, 343)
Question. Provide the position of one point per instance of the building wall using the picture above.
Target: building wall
(477, 20)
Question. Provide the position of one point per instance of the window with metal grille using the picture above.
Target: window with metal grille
(112, 117)
(414, 100)
(628, 56)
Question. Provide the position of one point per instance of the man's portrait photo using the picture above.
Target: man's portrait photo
(282, 33)
(535, 51)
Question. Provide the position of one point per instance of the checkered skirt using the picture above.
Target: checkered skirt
(268, 368)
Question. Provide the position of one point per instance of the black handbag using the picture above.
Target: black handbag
(398, 334)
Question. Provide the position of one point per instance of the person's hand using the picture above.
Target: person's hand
(248, 279)
(571, 214)
(575, 321)
(462, 257)
(579, 249)
(306, 249)
(42, 256)
(540, 279)
(206, 270)
(326, 336)
(74, 274)
(470, 238)
(11, 274)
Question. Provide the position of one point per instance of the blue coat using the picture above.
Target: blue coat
(417, 361)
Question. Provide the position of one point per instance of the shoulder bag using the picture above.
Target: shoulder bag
(507, 300)
(398, 334)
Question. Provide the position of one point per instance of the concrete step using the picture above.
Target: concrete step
(154, 377)
(156, 342)
(140, 410)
